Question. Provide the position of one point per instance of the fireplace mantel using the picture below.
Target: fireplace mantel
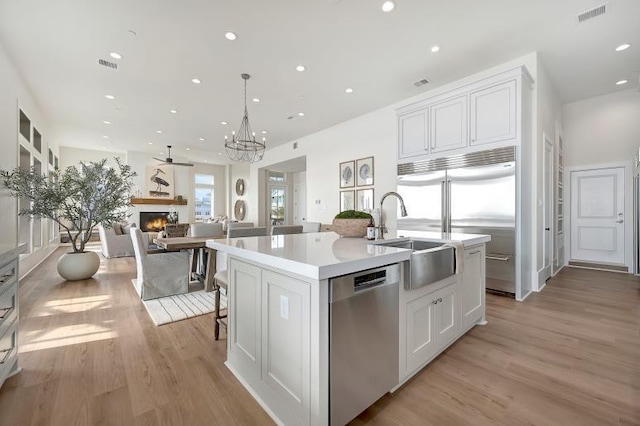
(158, 201)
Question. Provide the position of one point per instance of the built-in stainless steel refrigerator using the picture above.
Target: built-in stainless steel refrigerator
(473, 193)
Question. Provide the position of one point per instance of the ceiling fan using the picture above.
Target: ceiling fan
(169, 161)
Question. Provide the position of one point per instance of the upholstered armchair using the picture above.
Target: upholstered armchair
(116, 243)
(161, 274)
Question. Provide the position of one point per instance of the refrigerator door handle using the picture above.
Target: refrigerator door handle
(448, 206)
(443, 206)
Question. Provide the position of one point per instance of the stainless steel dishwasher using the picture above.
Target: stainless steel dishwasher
(363, 340)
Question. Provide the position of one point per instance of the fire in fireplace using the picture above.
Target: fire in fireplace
(153, 221)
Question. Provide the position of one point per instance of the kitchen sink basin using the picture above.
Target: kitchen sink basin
(430, 262)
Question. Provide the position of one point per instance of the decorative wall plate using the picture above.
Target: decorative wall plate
(239, 209)
(240, 187)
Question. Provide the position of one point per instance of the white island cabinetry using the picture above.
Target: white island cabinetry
(269, 336)
(278, 312)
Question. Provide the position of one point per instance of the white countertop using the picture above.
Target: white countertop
(323, 255)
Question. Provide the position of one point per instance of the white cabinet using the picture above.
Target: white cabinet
(465, 119)
(493, 114)
(269, 337)
(431, 322)
(448, 120)
(8, 315)
(413, 129)
(472, 286)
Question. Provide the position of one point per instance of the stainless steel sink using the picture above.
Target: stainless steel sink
(430, 262)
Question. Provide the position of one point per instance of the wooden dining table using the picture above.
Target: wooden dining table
(193, 243)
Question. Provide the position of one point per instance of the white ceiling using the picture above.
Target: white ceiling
(343, 43)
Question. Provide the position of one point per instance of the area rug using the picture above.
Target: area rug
(165, 310)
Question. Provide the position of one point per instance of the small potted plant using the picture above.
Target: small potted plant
(77, 199)
(351, 223)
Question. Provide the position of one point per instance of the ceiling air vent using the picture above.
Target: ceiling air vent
(421, 82)
(108, 64)
(592, 13)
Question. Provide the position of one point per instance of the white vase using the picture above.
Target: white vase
(78, 266)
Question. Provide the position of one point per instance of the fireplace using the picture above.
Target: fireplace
(153, 221)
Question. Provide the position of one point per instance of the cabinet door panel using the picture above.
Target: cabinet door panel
(245, 312)
(447, 318)
(472, 290)
(493, 114)
(449, 124)
(413, 134)
(286, 327)
(420, 338)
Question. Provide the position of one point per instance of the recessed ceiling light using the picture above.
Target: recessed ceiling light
(219, 153)
(196, 81)
(158, 131)
(622, 47)
(388, 6)
(161, 153)
(301, 114)
(106, 122)
(230, 35)
(188, 149)
(256, 100)
(106, 137)
(109, 97)
(201, 139)
(348, 90)
(104, 147)
(621, 82)
(224, 123)
(115, 55)
(150, 143)
(173, 111)
(300, 68)
(264, 132)
(435, 49)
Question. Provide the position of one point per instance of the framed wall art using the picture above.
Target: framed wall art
(364, 199)
(364, 171)
(347, 174)
(159, 182)
(347, 200)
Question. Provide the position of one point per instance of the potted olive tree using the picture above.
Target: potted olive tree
(78, 199)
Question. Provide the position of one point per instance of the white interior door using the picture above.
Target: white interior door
(547, 188)
(597, 215)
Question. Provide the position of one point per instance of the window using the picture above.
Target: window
(204, 206)
(277, 202)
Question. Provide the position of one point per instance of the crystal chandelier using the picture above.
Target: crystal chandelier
(243, 145)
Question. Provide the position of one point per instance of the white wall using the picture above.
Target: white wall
(15, 94)
(604, 129)
(373, 134)
(73, 156)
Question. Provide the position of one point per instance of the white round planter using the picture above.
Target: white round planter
(78, 266)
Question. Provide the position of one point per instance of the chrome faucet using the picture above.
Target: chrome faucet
(403, 211)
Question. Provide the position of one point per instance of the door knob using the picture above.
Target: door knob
(547, 229)
(619, 221)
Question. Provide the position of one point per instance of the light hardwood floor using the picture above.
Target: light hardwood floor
(90, 355)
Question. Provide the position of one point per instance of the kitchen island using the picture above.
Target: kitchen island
(278, 319)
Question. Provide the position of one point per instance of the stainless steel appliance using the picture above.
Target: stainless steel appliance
(363, 340)
(473, 193)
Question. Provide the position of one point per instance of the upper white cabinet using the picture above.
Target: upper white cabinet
(465, 119)
(493, 114)
(449, 124)
(414, 134)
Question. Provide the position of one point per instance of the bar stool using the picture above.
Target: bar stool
(220, 281)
